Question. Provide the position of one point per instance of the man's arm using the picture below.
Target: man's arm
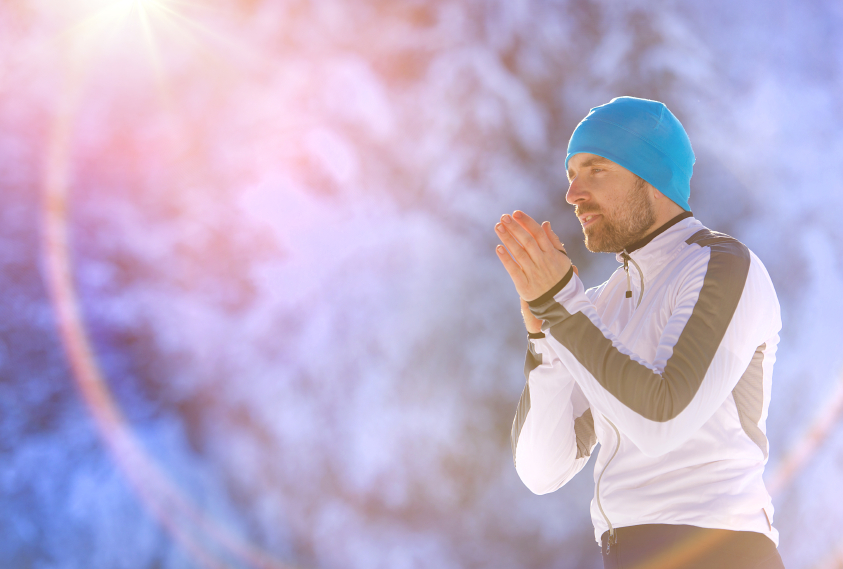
(725, 309)
(553, 431)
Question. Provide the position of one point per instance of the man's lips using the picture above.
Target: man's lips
(587, 219)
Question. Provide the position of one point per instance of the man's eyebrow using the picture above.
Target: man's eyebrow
(591, 162)
(595, 160)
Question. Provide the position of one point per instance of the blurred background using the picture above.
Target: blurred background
(250, 311)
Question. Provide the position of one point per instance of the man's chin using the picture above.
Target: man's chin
(593, 247)
(592, 241)
(595, 244)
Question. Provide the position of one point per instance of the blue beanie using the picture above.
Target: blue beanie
(644, 137)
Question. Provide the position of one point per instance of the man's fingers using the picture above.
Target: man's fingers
(511, 243)
(527, 239)
(532, 226)
(515, 272)
(533, 269)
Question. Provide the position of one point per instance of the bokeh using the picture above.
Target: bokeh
(250, 311)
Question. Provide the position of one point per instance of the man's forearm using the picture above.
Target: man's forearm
(553, 432)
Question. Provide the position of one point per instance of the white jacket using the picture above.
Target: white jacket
(674, 383)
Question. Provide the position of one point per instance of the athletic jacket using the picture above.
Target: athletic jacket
(668, 365)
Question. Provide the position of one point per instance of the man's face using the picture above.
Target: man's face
(613, 205)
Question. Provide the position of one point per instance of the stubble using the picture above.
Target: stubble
(627, 224)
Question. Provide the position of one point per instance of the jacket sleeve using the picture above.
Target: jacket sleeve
(722, 308)
(553, 431)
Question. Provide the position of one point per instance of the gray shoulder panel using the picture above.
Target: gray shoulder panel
(584, 431)
(749, 399)
(653, 396)
(706, 238)
(533, 360)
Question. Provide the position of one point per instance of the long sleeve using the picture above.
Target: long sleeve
(722, 309)
(553, 431)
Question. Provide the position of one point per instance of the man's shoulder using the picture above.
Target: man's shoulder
(710, 242)
(727, 258)
(706, 237)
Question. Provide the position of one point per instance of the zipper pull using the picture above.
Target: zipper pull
(612, 540)
(625, 258)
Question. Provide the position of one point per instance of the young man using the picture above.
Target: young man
(668, 364)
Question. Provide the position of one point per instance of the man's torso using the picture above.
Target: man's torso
(714, 479)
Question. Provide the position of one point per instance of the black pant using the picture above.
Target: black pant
(660, 546)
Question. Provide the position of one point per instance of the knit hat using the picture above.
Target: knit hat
(644, 137)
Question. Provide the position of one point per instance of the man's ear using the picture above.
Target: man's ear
(664, 203)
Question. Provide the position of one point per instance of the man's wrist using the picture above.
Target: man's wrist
(553, 290)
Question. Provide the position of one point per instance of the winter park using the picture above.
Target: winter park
(252, 314)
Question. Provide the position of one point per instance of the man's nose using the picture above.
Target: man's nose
(576, 192)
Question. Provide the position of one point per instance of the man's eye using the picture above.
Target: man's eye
(595, 170)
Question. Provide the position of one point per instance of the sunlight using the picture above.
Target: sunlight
(143, 3)
(84, 42)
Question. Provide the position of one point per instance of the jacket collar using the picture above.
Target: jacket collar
(660, 246)
(653, 234)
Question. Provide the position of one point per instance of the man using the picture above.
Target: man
(667, 364)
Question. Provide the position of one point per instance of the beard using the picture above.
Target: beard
(628, 223)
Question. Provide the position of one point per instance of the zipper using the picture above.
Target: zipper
(613, 539)
(626, 259)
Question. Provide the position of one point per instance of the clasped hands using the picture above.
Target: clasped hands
(537, 262)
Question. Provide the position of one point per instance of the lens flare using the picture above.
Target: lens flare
(201, 536)
(796, 459)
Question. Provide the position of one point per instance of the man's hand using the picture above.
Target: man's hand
(537, 262)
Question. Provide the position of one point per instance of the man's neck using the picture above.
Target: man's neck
(656, 232)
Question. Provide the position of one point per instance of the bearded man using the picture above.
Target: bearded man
(668, 364)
